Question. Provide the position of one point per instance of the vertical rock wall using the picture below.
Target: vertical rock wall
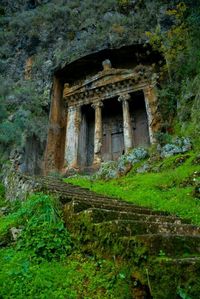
(54, 154)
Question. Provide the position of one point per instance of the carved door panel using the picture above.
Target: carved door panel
(106, 146)
(90, 144)
(82, 145)
(140, 128)
(113, 142)
(117, 145)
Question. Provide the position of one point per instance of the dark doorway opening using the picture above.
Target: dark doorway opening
(139, 120)
(113, 139)
(86, 138)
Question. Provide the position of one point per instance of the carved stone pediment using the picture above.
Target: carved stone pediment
(108, 77)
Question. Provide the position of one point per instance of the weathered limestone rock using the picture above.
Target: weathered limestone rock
(154, 117)
(54, 153)
(28, 68)
(18, 187)
(15, 232)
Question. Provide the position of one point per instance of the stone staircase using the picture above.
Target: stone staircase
(117, 227)
(163, 250)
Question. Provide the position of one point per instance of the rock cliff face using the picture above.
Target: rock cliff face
(39, 38)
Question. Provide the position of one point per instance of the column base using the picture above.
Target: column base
(127, 150)
(97, 161)
(68, 171)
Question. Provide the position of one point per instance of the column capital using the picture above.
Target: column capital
(147, 89)
(71, 108)
(98, 104)
(74, 108)
(124, 97)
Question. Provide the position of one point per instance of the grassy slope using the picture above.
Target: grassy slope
(72, 278)
(40, 265)
(170, 189)
(43, 263)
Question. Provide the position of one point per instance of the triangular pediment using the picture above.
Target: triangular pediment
(103, 78)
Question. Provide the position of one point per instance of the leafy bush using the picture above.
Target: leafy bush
(179, 44)
(114, 169)
(43, 233)
(108, 170)
(45, 240)
(163, 138)
(2, 196)
(131, 158)
(72, 278)
(177, 146)
(37, 264)
(2, 191)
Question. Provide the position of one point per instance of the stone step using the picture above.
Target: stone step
(73, 192)
(83, 195)
(122, 228)
(67, 192)
(98, 215)
(143, 246)
(78, 205)
(160, 244)
(80, 193)
(66, 187)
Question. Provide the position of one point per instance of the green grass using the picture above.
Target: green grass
(44, 263)
(73, 277)
(169, 190)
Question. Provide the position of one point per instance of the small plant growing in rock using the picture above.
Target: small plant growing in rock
(162, 253)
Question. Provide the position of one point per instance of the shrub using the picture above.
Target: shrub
(43, 233)
(179, 145)
(2, 191)
(113, 169)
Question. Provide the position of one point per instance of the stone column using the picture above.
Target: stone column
(98, 132)
(128, 136)
(153, 116)
(72, 136)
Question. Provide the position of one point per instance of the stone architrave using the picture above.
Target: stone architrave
(98, 132)
(152, 113)
(128, 136)
(72, 136)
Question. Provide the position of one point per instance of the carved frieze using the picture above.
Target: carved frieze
(108, 84)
